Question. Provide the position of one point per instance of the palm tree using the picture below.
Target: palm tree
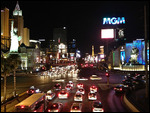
(5, 72)
(15, 62)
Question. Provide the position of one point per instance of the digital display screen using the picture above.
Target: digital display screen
(107, 33)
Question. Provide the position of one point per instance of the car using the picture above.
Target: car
(78, 97)
(55, 107)
(138, 84)
(119, 88)
(82, 78)
(79, 85)
(81, 90)
(63, 94)
(140, 76)
(124, 81)
(95, 77)
(50, 95)
(93, 89)
(71, 84)
(33, 90)
(76, 107)
(97, 106)
(68, 87)
(58, 80)
(92, 96)
(57, 87)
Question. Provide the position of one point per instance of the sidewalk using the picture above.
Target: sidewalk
(137, 98)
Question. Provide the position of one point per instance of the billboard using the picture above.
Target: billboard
(107, 33)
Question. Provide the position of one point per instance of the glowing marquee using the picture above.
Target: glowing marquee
(107, 33)
(114, 20)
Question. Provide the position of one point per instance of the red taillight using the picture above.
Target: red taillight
(120, 89)
(56, 110)
(114, 88)
(58, 94)
(35, 111)
(27, 91)
(22, 107)
(49, 110)
(32, 91)
(102, 110)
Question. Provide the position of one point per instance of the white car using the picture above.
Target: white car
(58, 80)
(82, 78)
(81, 90)
(76, 107)
(95, 77)
(68, 87)
(71, 83)
(79, 85)
(92, 96)
(78, 97)
(97, 106)
(93, 89)
(63, 94)
(50, 95)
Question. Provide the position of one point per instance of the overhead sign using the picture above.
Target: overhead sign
(114, 20)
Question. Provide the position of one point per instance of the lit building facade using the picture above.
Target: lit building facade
(5, 30)
(130, 57)
(18, 21)
(26, 36)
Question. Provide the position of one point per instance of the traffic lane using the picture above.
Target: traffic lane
(86, 104)
(115, 102)
(110, 101)
(66, 102)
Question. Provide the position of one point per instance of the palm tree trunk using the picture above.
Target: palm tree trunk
(14, 83)
(5, 91)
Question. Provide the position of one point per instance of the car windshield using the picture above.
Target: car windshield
(75, 107)
(62, 92)
(78, 95)
(92, 94)
(54, 106)
(80, 89)
(97, 105)
(57, 85)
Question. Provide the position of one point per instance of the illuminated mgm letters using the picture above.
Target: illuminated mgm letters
(114, 20)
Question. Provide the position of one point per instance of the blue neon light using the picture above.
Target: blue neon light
(122, 56)
(114, 20)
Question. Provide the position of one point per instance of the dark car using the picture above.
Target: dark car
(55, 107)
(57, 87)
(33, 90)
(138, 84)
(127, 81)
(119, 89)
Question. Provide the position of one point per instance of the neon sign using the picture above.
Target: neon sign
(114, 20)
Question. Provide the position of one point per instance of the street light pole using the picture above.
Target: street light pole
(146, 73)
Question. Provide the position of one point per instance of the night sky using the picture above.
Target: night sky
(83, 19)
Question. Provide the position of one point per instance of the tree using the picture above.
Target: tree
(15, 62)
(5, 72)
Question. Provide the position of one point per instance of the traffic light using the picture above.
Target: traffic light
(107, 74)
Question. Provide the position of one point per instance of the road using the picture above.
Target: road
(111, 102)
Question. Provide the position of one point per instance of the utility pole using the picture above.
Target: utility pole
(146, 73)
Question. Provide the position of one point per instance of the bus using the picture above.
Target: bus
(34, 103)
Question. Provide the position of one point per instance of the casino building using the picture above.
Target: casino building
(129, 57)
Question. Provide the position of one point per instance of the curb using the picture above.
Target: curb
(129, 105)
